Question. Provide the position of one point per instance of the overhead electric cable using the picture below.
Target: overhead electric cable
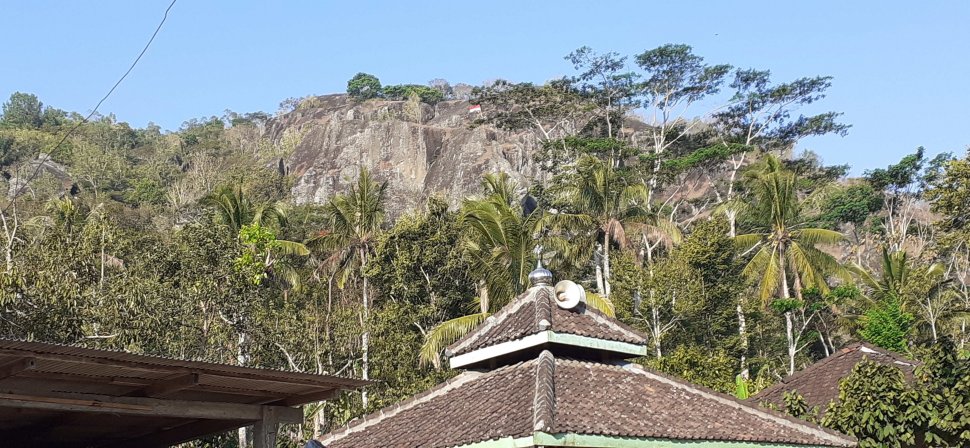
(47, 154)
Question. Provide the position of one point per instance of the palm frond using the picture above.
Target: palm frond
(764, 270)
(811, 237)
(603, 304)
(292, 248)
(745, 242)
(445, 334)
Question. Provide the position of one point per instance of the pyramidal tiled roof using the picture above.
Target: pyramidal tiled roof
(818, 383)
(536, 311)
(548, 399)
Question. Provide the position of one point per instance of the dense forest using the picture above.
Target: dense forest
(669, 186)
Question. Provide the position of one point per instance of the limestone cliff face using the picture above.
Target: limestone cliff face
(420, 150)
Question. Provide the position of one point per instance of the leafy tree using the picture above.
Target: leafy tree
(943, 389)
(853, 204)
(796, 406)
(443, 86)
(759, 119)
(887, 325)
(419, 260)
(364, 86)
(606, 83)
(674, 293)
(872, 406)
(902, 185)
(674, 79)
(553, 112)
(949, 195)
(699, 365)
(425, 94)
(22, 110)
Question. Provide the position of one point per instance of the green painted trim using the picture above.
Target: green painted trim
(595, 343)
(598, 441)
(505, 442)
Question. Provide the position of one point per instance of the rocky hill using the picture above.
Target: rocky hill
(421, 150)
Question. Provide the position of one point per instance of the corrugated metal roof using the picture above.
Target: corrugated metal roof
(153, 363)
(58, 395)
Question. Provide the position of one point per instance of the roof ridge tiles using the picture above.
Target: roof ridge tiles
(544, 401)
(543, 310)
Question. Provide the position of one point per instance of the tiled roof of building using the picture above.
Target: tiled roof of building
(561, 396)
(536, 311)
(819, 382)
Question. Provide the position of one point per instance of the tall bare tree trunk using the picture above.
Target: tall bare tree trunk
(242, 359)
(790, 334)
(10, 235)
(606, 265)
(365, 336)
(600, 288)
(656, 328)
(789, 323)
(743, 334)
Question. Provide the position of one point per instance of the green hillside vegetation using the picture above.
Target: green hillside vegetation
(741, 260)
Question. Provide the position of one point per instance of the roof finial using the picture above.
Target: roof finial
(540, 276)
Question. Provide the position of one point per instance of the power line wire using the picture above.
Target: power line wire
(47, 154)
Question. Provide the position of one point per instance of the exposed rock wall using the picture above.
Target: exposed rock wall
(420, 150)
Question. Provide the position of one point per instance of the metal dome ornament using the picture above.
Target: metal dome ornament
(540, 276)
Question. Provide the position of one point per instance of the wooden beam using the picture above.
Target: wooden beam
(93, 379)
(66, 402)
(264, 431)
(269, 376)
(307, 398)
(16, 366)
(168, 386)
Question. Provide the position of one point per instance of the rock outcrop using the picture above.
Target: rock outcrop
(420, 150)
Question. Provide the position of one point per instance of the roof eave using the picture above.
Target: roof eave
(542, 338)
(605, 441)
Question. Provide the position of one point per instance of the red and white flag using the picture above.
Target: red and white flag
(475, 108)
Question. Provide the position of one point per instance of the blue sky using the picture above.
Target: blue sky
(901, 69)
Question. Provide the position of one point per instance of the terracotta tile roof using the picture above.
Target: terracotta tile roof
(535, 311)
(560, 396)
(819, 382)
(472, 407)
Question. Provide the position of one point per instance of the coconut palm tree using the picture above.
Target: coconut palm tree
(785, 257)
(257, 227)
(503, 244)
(355, 221)
(927, 291)
(235, 211)
(604, 198)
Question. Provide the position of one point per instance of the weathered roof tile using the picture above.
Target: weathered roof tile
(558, 396)
(525, 316)
(818, 383)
